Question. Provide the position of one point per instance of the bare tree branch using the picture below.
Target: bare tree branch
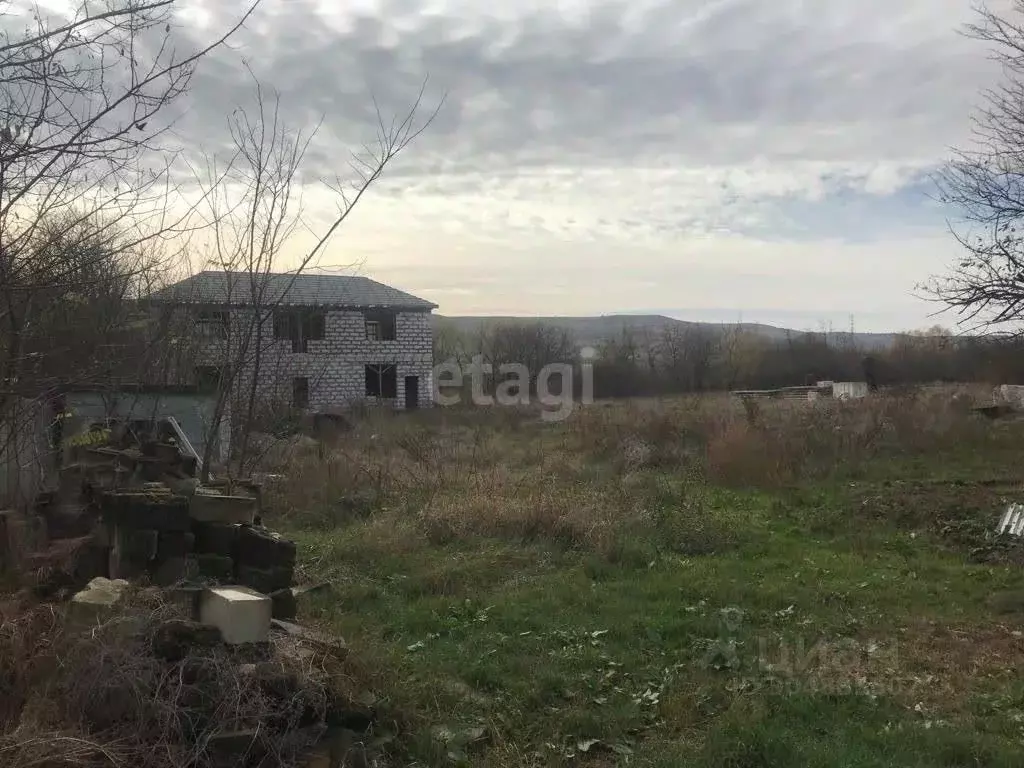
(254, 206)
(985, 184)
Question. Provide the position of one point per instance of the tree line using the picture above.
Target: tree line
(679, 358)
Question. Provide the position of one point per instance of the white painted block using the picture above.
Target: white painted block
(241, 614)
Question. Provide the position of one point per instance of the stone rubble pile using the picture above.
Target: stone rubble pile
(286, 708)
(139, 513)
(137, 517)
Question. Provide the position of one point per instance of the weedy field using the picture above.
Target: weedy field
(675, 583)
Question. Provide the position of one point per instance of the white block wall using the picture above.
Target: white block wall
(335, 366)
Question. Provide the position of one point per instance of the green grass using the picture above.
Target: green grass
(746, 628)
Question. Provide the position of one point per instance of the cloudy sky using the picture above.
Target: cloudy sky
(709, 159)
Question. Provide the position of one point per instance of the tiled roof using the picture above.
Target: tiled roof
(236, 288)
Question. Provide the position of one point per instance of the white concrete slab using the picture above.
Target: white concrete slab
(241, 614)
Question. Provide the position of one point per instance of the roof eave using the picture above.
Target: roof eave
(425, 307)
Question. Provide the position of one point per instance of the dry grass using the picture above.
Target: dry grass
(772, 444)
(585, 482)
(648, 519)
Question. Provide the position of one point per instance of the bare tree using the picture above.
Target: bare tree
(985, 183)
(254, 206)
(86, 98)
(687, 355)
(84, 102)
(451, 343)
(532, 345)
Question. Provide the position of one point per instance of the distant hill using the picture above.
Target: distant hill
(592, 331)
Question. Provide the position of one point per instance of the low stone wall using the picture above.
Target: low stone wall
(207, 539)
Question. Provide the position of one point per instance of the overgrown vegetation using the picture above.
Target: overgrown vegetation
(673, 583)
(678, 358)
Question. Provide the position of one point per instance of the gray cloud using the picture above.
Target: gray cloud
(713, 139)
(624, 83)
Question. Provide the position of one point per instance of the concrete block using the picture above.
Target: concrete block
(120, 566)
(136, 543)
(242, 615)
(153, 511)
(171, 571)
(96, 601)
(215, 567)
(215, 538)
(284, 604)
(262, 548)
(174, 544)
(216, 508)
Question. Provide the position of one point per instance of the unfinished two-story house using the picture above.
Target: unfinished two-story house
(324, 342)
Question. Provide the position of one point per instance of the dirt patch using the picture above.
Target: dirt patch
(942, 668)
(935, 670)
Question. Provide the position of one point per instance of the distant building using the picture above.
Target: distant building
(325, 341)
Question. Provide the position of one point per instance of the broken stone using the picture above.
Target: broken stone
(177, 639)
(97, 600)
(148, 510)
(209, 507)
(242, 615)
(261, 548)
